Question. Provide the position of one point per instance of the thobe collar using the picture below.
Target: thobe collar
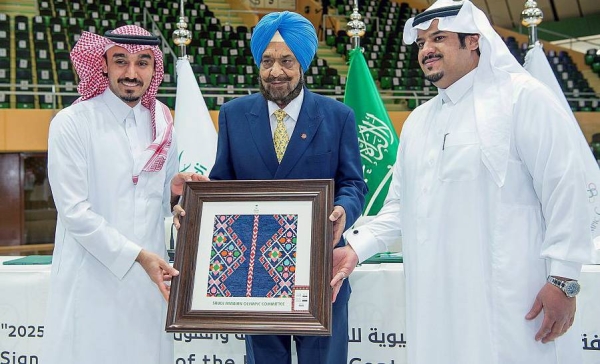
(458, 89)
(292, 109)
(121, 110)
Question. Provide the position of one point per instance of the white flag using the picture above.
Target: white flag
(196, 134)
(537, 65)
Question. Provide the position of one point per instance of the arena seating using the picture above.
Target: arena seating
(592, 59)
(395, 66)
(34, 52)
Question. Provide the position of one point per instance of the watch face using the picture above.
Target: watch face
(571, 288)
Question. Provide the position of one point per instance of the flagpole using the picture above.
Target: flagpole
(531, 17)
(377, 139)
(356, 27)
(182, 37)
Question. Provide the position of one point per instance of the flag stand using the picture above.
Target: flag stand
(356, 27)
(531, 17)
(182, 37)
(377, 139)
(195, 133)
(538, 66)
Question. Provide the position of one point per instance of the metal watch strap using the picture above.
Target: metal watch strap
(569, 287)
(556, 282)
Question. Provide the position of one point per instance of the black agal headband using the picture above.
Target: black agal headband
(150, 40)
(436, 13)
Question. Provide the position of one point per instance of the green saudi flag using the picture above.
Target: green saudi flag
(377, 139)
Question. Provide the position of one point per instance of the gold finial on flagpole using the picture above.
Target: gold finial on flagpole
(531, 17)
(182, 37)
(356, 27)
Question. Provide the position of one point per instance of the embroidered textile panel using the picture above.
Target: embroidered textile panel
(253, 256)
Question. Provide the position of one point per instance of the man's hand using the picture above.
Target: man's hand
(178, 181)
(177, 184)
(338, 216)
(178, 213)
(158, 270)
(344, 262)
(559, 313)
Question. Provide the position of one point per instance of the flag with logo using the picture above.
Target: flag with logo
(377, 138)
(537, 65)
(196, 134)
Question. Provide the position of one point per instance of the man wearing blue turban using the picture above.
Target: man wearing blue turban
(288, 132)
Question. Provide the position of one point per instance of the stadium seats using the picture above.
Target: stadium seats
(221, 52)
(590, 56)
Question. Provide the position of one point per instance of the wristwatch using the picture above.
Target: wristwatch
(570, 288)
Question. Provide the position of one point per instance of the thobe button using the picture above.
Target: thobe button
(431, 161)
(355, 232)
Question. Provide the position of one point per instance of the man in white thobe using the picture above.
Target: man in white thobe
(111, 157)
(489, 196)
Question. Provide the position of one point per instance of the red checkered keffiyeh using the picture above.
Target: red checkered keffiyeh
(87, 58)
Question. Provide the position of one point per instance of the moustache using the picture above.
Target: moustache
(277, 79)
(130, 80)
(431, 56)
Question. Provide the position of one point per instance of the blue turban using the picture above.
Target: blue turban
(297, 31)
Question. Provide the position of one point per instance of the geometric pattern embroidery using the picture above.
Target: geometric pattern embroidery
(278, 256)
(253, 256)
(226, 255)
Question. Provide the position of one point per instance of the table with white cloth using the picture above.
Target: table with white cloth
(376, 323)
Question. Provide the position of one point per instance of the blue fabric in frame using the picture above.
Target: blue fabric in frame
(253, 256)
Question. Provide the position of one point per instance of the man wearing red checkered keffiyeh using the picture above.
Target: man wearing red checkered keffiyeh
(89, 56)
(111, 157)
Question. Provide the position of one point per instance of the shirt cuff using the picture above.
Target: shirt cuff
(126, 258)
(363, 242)
(561, 268)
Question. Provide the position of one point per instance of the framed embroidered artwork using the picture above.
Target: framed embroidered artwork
(254, 257)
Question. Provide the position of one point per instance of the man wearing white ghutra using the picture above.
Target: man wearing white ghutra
(488, 192)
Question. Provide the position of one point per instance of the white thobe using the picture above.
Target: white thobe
(103, 307)
(476, 254)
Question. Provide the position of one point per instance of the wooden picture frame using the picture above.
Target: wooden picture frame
(254, 257)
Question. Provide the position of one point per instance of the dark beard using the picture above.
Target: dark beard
(129, 99)
(283, 100)
(128, 96)
(434, 77)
